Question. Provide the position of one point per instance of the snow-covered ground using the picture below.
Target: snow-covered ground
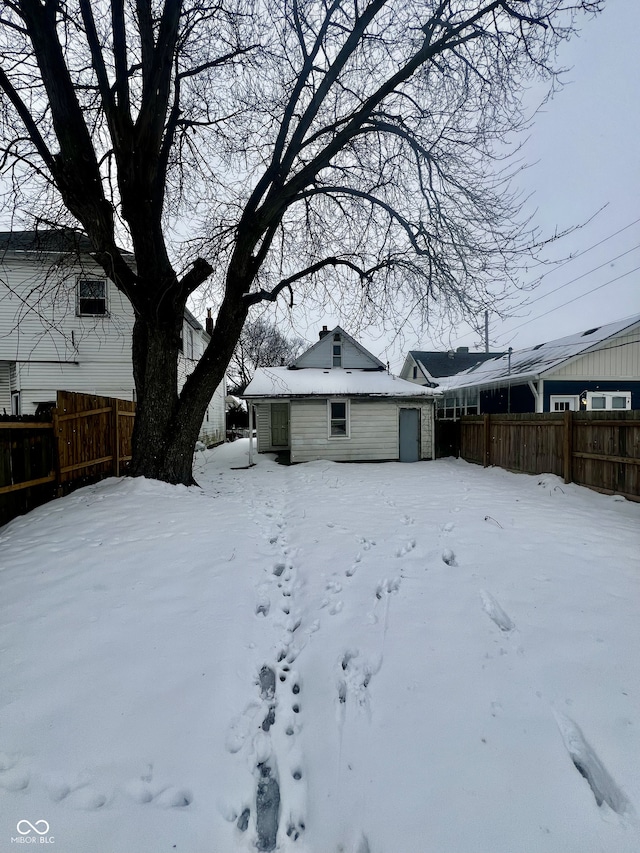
(426, 658)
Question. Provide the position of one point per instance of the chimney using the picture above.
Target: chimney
(462, 349)
(208, 323)
(323, 332)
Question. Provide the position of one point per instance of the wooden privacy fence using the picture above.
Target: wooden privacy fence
(600, 450)
(88, 438)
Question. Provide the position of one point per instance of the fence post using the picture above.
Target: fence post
(56, 448)
(116, 439)
(486, 441)
(568, 444)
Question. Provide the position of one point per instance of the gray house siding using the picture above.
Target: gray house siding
(352, 354)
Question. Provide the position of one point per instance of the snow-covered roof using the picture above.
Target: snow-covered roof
(539, 360)
(329, 382)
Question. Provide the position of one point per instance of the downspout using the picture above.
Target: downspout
(250, 434)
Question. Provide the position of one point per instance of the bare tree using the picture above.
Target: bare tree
(261, 344)
(347, 151)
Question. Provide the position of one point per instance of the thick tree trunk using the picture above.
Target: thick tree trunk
(167, 425)
(161, 449)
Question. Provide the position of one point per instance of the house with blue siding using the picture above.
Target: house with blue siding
(597, 369)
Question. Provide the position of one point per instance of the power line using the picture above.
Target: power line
(584, 274)
(584, 251)
(569, 301)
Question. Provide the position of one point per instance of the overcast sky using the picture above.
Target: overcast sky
(584, 150)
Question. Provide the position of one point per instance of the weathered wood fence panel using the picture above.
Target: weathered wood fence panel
(88, 438)
(600, 450)
(93, 435)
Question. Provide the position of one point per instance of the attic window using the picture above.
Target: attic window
(590, 331)
(336, 350)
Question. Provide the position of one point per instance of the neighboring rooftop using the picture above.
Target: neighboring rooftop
(47, 240)
(530, 363)
(437, 364)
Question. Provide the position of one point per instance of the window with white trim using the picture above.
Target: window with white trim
(338, 414)
(92, 297)
(566, 403)
(599, 401)
(336, 352)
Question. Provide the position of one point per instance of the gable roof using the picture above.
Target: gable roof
(329, 382)
(437, 364)
(328, 336)
(533, 362)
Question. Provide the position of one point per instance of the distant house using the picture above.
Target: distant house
(594, 370)
(428, 367)
(337, 402)
(65, 326)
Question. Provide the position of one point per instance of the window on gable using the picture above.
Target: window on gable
(92, 297)
(338, 419)
(337, 354)
(189, 348)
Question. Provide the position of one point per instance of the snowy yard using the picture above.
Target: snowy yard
(426, 658)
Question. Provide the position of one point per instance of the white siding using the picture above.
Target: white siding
(38, 383)
(262, 415)
(5, 387)
(321, 355)
(194, 343)
(213, 430)
(38, 319)
(618, 358)
(374, 430)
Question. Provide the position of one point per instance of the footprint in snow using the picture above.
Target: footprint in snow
(591, 768)
(406, 548)
(448, 557)
(495, 612)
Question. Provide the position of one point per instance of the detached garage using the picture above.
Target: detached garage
(338, 402)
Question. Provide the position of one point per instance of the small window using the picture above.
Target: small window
(608, 400)
(189, 352)
(338, 419)
(415, 372)
(337, 355)
(559, 403)
(92, 297)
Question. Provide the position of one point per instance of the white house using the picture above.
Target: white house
(65, 326)
(337, 402)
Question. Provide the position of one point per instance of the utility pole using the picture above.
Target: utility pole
(486, 331)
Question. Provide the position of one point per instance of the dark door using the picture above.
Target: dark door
(409, 435)
(279, 424)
